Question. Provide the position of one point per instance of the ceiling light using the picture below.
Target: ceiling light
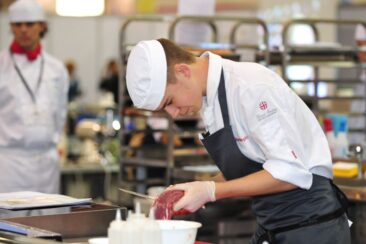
(79, 8)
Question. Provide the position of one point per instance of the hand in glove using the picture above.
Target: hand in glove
(196, 194)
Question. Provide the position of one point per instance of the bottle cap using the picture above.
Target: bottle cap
(328, 125)
(342, 125)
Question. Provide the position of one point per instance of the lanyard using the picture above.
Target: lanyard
(24, 81)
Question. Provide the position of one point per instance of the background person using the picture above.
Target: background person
(33, 98)
(265, 140)
(74, 88)
(110, 80)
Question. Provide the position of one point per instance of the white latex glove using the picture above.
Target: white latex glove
(196, 194)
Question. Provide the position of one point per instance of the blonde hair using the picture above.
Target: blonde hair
(174, 55)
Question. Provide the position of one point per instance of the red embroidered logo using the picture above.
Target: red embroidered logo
(263, 105)
(241, 139)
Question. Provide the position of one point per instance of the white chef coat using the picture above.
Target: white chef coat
(29, 133)
(270, 123)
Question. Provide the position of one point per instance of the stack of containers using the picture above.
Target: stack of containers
(335, 127)
(137, 229)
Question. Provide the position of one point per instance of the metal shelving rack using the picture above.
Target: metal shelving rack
(126, 161)
(171, 155)
(334, 56)
(322, 56)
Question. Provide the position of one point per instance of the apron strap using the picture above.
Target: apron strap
(222, 100)
(342, 198)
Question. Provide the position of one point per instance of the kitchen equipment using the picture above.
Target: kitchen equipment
(155, 191)
(178, 231)
(137, 194)
(345, 169)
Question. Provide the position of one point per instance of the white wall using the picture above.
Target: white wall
(91, 42)
(77, 39)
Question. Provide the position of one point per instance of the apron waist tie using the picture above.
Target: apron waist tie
(269, 235)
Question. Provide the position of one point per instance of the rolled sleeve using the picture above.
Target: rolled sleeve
(293, 174)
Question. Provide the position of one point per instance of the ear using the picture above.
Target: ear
(44, 30)
(182, 69)
(12, 29)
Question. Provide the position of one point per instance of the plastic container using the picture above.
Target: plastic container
(329, 133)
(137, 215)
(151, 233)
(341, 143)
(178, 231)
(115, 230)
(347, 170)
(155, 191)
(132, 234)
(98, 240)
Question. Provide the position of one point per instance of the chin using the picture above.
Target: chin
(24, 45)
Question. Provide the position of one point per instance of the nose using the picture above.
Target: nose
(23, 27)
(172, 111)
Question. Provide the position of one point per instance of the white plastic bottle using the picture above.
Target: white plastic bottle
(151, 233)
(115, 229)
(132, 233)
(341, 145)
(137, 215)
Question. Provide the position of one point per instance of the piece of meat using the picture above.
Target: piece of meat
(164, 204)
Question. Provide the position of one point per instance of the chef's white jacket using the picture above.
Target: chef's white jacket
(270, 123)
(29, 133)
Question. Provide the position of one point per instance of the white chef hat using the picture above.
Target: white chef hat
(360, 33)
(26, 11)
(146, 74)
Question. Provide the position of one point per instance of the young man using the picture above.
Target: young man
(33, 98)
(266, 142)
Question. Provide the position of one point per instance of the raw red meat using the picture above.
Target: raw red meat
(165, 202)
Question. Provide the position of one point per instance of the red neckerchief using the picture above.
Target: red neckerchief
(31, 55)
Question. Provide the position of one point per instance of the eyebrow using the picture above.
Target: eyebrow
(29, 23)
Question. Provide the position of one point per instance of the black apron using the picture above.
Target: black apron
(297, 216)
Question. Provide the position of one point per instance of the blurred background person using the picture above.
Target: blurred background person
(74, 88)
(33, 98)
(109, 82)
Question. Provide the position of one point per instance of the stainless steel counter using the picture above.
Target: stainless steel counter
(355, 189)
(77, 226)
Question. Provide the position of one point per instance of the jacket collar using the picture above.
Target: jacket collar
(213, 77)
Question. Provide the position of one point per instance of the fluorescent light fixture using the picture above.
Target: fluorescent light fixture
(79, 8)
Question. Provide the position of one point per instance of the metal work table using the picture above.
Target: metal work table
(77, 226)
